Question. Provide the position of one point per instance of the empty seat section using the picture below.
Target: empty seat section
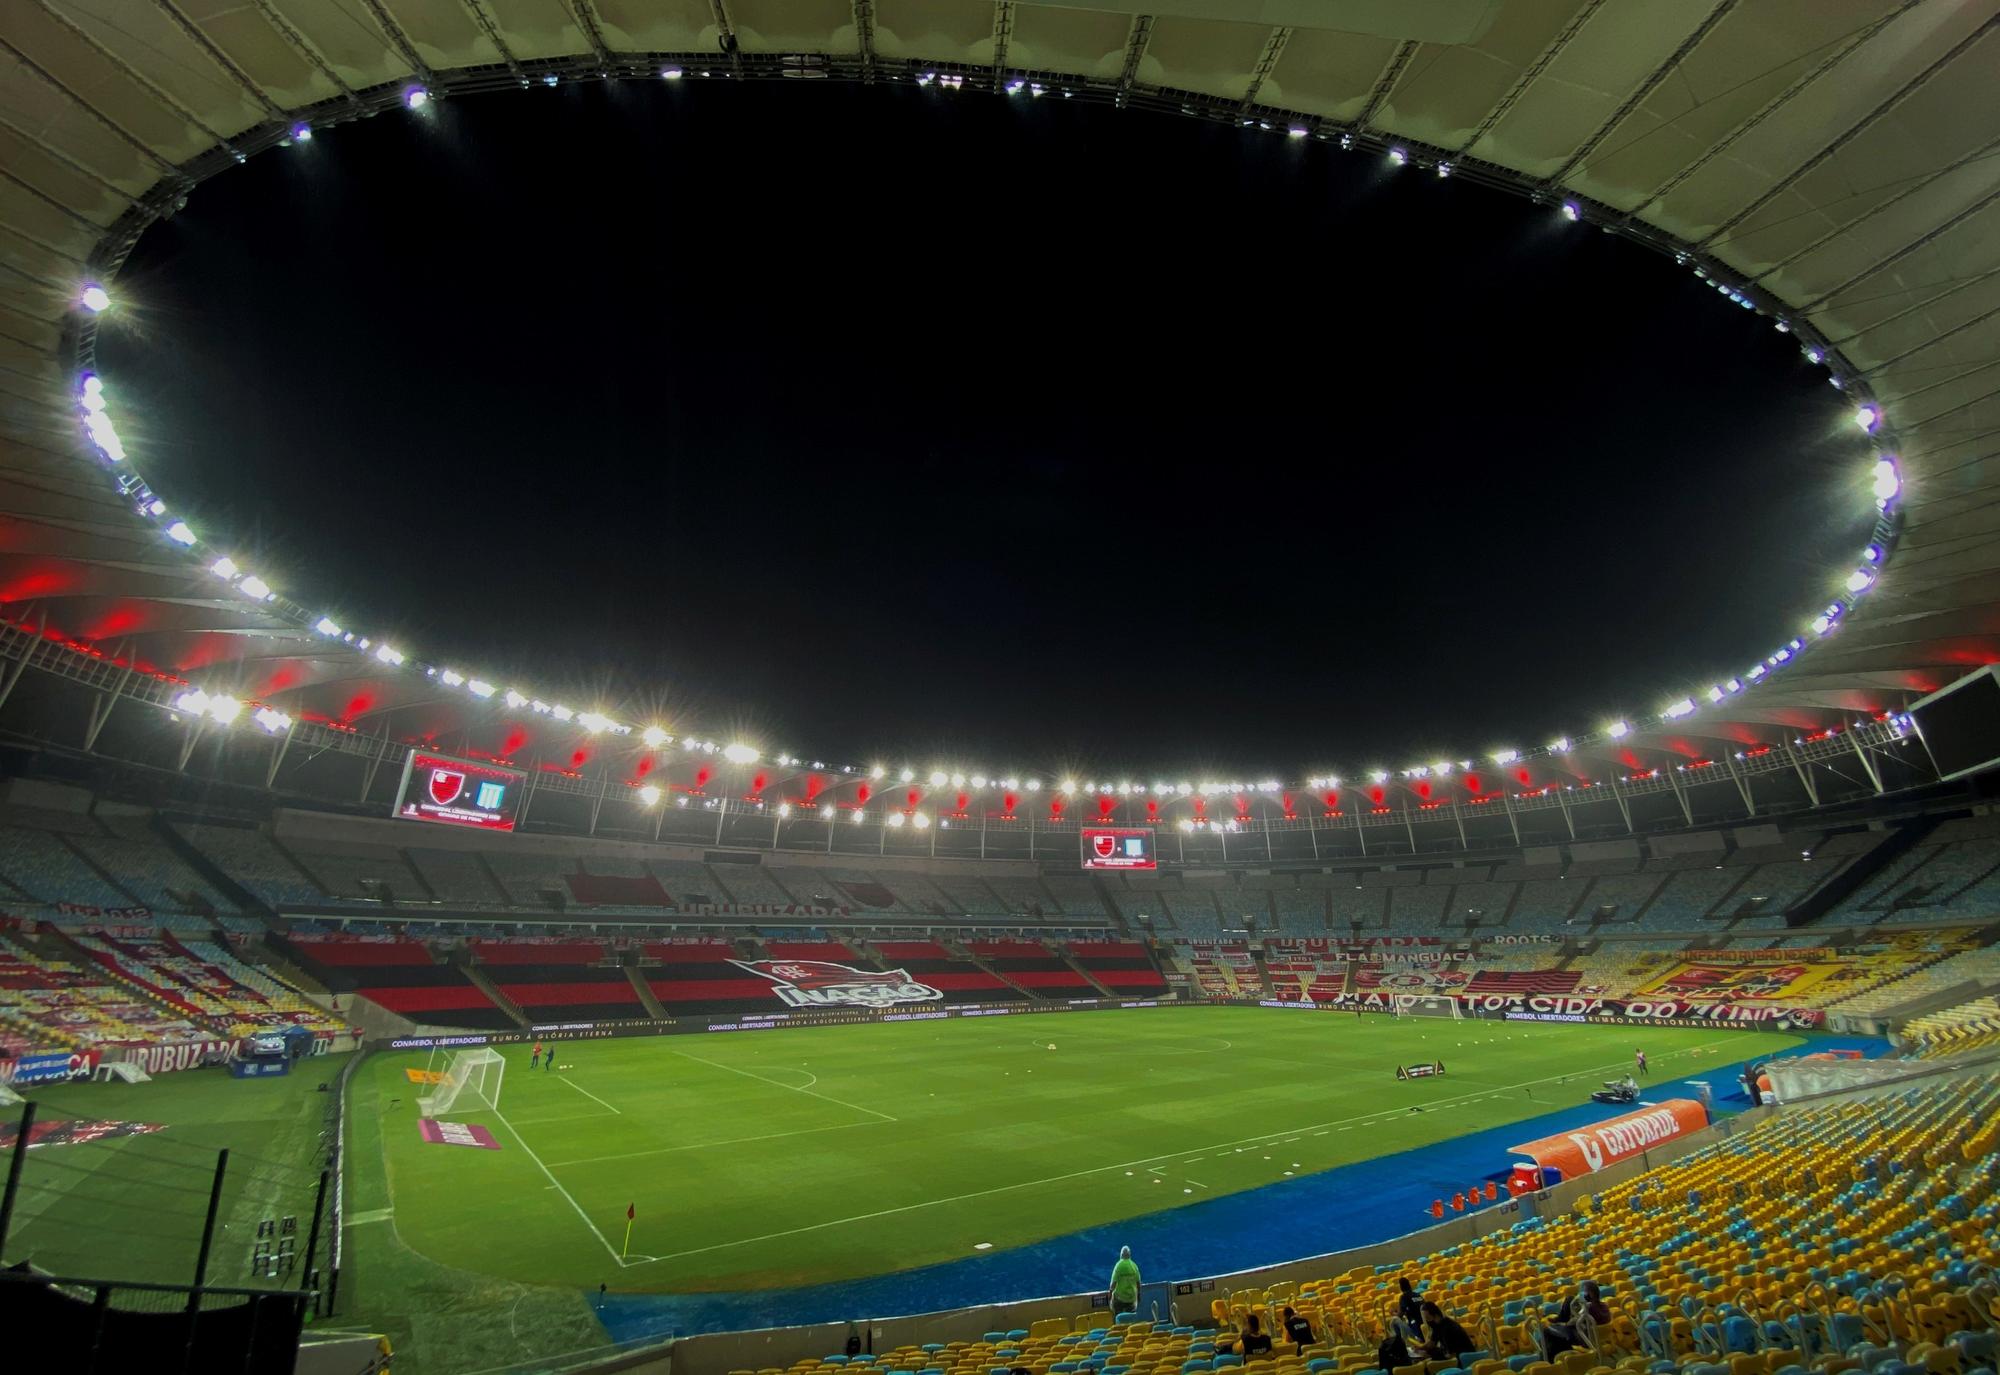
(249, 857)
(46, 870)
(960, 980)
(1033, 966)
(455, 876)
(698, 977)
(1121, 966)
(146, 868)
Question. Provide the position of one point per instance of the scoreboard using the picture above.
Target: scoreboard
(1118, 847)
(459, 792)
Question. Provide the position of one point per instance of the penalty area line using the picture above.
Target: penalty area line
(556, 1184)
(810, 1093)
(706, 1145)
(588, 1094)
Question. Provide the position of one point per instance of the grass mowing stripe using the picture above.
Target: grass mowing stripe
(1121, 1165)
(748, 1074)
(705, 1145)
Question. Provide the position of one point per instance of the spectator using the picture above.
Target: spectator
(1576, 1323)
(1444, 1339)
(1254, 1341)
(1297, 1330)
(1125, 1283)
(1395, 1348)
(1407, 1307)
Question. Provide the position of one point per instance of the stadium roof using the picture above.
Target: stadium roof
(1834, 166)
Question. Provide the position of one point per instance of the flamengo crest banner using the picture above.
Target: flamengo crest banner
(816, 983)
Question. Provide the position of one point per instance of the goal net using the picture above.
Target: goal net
(1426, 1005)
(473, 1074)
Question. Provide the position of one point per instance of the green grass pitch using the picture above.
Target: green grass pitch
(747, 1156)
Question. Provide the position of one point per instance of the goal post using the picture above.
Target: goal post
(1426, 1005)
(474, 1073)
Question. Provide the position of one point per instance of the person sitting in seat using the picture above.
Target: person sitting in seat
(1444, 1339)
(1254, 1340)
(1576, 1323)
(1297, 1330)
(1125, 1283)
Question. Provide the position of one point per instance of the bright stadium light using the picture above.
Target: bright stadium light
(1187, 823)
(958, 780)
(1068, 785)
(650, 795)
(1684, 707)
(784, 809)
(978, 780)
(1571, 211)
(1618, 730)
(302, 133)
(515, 700)
(1859, 580)
(254, 586)
(596, 722)
(826, 812)
(1379, 776)
(224, 568)
(1560, 745)
(893, 820)
(1398, 156)
(670, 73)
(326, 625)
(1867, 417)
(416, 97)
(194, 702)
(908, 775)
(95, 298)
(654, 737)
(179, 533)
(1034, 785)
(1444, 169)
(877, 772)
(739, 754)
(1297, 131)
(938, 778)
(1873, 553)
(276, 722)
(389, 655)
(1888, 482)
(1505, 756)
(856, 815)
(550, 79)
(223, 710)
(920, 821)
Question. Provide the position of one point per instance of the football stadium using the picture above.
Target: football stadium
(367, 1004)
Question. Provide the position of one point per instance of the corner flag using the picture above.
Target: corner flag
(631, 1212)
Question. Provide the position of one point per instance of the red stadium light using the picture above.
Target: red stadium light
(1423, 790)
(578, 757)
(961, 804)
(1522, 774)
(701, 777)
(1472, 783)
(813, 785)
(1055, 809)
(1331, 800)
(912, 798)
(1376, 795)
(1153, 809)
(644, 767)
(862, 793)
(1008, 802)
(757, 783)
(1106, 806)
(512, 745)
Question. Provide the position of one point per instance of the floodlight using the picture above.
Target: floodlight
(739, 754)
(550, 79)
(416, 97)
(1684, 707)
(594, 721)
(1379, 776)
(224, 568)
(194, 701)
(1618, 730)
(893, 820)
(1859, 579)
(908, 775)
(276, 722)
(515, 699)
(650, 795)
(938, 778)
(958, 780)
(855, 816)
(254, 586)
(1560, 745)
(325, 625)
(1187, 823)
(877, 771)
(654, 737)
(1505, 756)
(919, 820)
(1297, 131)
(224, 709)
(561, 712)
(979, 780)
(1398, 156)
(826, 812)
(1867, 417)
(95, 298)
(179, 533)
(302, 133)
(1571, 211)
(670, 73)
(1888, 482)
(784, 809)
(1444, 169)
(1873, 553)
(1068, 785)
(1034, 785)
(1821, 624)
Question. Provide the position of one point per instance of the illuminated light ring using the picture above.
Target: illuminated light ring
(111, 251)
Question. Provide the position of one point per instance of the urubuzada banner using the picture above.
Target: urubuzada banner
(1588, 1149)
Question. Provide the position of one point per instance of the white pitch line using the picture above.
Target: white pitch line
(609, 1250)
(705, 1145)
(587, 1093)
(824, 1098)
(1095, 1169)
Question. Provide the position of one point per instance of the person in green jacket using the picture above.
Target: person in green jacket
(1125, 1283)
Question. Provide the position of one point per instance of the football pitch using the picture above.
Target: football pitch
(758, 1161)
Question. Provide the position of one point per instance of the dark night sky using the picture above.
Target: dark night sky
(945, 427)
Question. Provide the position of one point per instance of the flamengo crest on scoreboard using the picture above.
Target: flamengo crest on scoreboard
(458, 792)
(817, 983)
(1118, 847)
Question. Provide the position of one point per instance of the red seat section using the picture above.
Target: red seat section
(398, 975)
(811, 950)
(677, 952)
(1121, 966)
(538, 952)
(613, 890)
(959, 979)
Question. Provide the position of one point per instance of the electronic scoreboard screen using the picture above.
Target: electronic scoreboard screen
(1118, 847)
(459, 792)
